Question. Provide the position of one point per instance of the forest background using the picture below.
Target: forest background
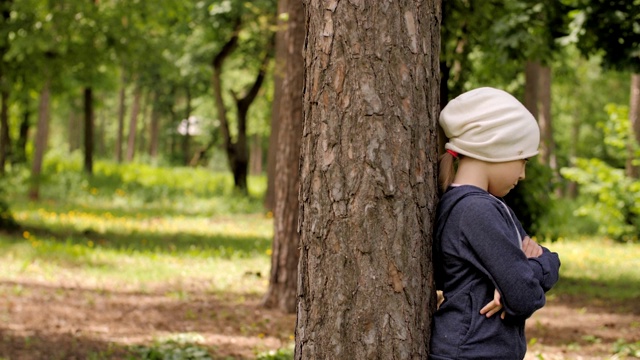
(138, 131)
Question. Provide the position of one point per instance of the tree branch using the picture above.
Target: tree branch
(216, 82)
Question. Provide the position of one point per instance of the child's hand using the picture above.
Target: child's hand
(531, 248)
(493, 307)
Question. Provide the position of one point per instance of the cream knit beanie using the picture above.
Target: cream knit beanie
(490, 125)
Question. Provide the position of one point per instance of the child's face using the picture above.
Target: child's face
(504, 176)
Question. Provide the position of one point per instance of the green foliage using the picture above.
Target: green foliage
(611, 28)
(532, 198)
(180, 347)
(612, 198)
(7, 222)
(135, 185)
(100, 234)
(597, 268)
(280, 354)
(624, 348)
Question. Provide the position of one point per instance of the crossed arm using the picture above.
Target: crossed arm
(531, 249)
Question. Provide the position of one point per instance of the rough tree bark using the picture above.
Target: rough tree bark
(368, 179)
(285, 249)
(634, 117)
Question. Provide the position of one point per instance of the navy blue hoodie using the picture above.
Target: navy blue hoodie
(477, 249)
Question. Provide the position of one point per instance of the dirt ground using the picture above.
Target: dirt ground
(40, 321)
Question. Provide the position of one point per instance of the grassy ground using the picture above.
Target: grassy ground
(139, 262)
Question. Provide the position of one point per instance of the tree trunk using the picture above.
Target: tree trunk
(75, 129)
(88, 130)
(544, 115)
(278, 75)
(144, 117)
(547, 141)
(133, 124)
(23, 135)
(121, 113)
(368, 180)
(5, 139)
(40, 146)
(634, 117)
(154, 127)
(532, 80)
(283, 281)
(186, 146)
(237, 152)
(255, 166)
(100, 139)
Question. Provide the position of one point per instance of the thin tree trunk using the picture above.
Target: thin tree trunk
(88, 130)
(368, 180)
(133, 124)
(5, 139)
(634, 117)
(278, 74)
(40, 146)
(121, 114)
(186, 151)
(154, 131)
(544, 115)
(545, 121)
(255, 166)
(100, 135)
(23, 135)
(75, 129)
(572, 186)
(147, 108)
(283, 280)
(532, 81)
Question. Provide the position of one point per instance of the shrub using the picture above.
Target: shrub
(531, 199)
(611, 198)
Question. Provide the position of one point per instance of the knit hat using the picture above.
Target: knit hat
(490, 125)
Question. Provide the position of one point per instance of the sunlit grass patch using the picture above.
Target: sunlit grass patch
(598, 268)
(47, 260)
(130, 188)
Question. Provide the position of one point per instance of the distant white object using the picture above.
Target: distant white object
(190, 126)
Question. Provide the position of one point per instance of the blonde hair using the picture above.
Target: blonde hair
(447, 171)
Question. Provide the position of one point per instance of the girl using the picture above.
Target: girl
(485, 263)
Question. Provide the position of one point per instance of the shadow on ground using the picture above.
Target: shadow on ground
(41, 321)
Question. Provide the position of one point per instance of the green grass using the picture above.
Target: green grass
(138, 226)
(598, 269)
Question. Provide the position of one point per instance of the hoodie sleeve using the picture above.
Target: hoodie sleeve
(545, 267)
(494, 247)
